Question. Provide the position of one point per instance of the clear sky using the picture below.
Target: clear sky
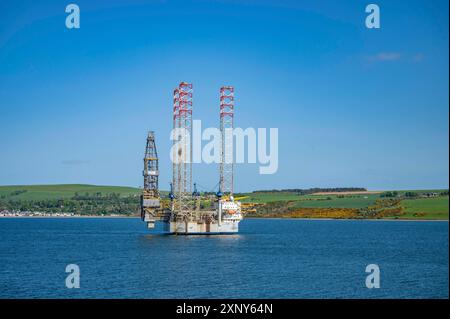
(354, 106)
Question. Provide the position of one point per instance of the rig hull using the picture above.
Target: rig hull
(194, 228)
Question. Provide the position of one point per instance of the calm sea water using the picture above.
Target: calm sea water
(119, 258)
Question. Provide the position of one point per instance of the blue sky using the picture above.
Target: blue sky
(354, 106)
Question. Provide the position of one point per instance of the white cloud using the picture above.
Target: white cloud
(418, 58)
(385, 56)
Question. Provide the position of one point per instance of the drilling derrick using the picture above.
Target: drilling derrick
(182, 167)
(175, 153)
(150, 201)
(226, 132)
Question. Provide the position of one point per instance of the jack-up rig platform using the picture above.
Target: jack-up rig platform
(186, 211)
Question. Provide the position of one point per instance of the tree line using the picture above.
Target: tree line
(83, 204)
(309, 191)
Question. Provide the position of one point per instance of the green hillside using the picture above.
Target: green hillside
(427, 208)
(334, 201)
(313, 201)
(61, 191)
(405, 204)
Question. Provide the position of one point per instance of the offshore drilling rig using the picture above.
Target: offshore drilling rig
(186, 213)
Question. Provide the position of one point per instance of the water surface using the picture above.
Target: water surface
(269, 258)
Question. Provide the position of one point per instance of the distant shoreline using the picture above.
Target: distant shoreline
(90, 201)
(357, 219)
(62, 217)
(290, 218)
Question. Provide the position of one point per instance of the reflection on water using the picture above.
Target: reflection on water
(151, 236)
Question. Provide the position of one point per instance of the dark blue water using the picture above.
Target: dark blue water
(119, 258)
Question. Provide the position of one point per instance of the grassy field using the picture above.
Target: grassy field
(269, 197)
(313, 201)
(420, 208)
(63, 191)
(427, 208)
(337, 202)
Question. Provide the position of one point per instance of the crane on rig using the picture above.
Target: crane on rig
(151, 208)
(185, 214)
